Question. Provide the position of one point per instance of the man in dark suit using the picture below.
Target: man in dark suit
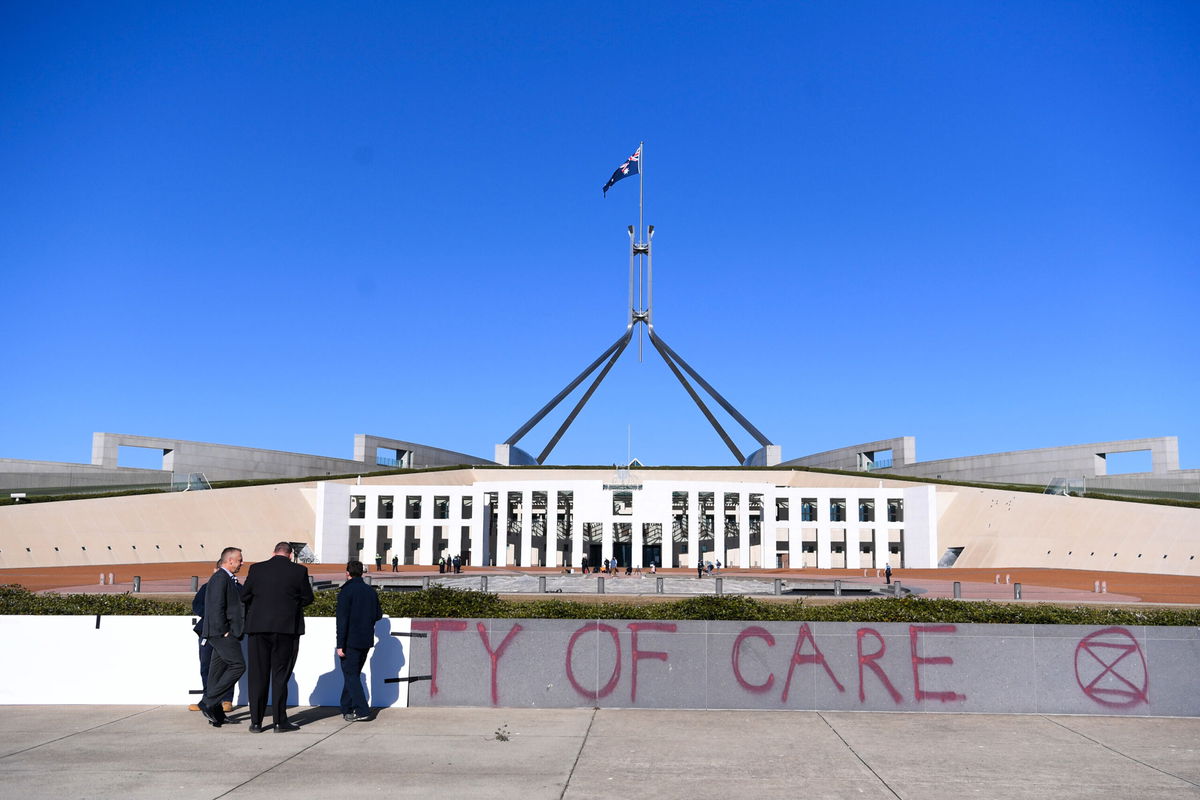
(206, 648)
(223, 626)
(275, 594)
(357, 612)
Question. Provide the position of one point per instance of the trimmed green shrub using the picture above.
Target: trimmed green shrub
(441, 602)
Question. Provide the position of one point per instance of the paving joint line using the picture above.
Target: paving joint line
(861, 760)
(1118, 752)
(76, 733)
(578, 755)
(284, 761)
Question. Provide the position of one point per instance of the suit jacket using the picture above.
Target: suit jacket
(357, 612)
(223, 609)
(275, 594)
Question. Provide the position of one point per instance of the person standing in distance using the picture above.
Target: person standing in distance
(357, 612)
(276, 592)
(224, 623)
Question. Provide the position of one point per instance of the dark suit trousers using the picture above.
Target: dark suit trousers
(354, 699)
(205, 661)
(272, 658)
(225, 667)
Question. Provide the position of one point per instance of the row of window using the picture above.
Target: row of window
(623, 502)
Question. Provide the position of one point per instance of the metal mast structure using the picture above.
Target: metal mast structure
(641, 313)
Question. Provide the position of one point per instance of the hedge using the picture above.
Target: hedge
(438, 601)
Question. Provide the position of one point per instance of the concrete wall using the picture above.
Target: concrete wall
(80, 661)
(176, 526)
(218, 462)
(855, 458)
(19, 474)
(224, 462)
(1036, 669)
(1024, 529)
(1043, 465)
(416, 456)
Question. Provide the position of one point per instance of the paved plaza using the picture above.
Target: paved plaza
(154, 752)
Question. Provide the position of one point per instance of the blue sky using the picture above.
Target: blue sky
(281, 224)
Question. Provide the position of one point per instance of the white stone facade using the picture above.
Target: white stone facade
(558, 521)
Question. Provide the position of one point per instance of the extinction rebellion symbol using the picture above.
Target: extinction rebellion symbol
(1111, 668)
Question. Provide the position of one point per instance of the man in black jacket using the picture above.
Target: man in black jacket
(206, 648)
(223, 625)
(357, 612)
(276, 592)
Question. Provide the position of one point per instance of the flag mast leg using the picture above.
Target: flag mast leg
(640, 228)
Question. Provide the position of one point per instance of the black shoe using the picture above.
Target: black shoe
(283, 727)
(255, 728)
(210, 714)
(362, 717)
(348, 717)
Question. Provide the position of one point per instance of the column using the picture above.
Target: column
(479, 528)
(424, 530)
(824, 559)
(526, 528)
(576, 533)
(608, 532)
(636, 537)
(693, 528)
(744, 529)
(719, 529)
(501, 554)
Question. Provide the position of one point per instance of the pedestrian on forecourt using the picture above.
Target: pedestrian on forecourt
(357, 612)
(276, 592)
(395, 563)
(224, 624)
(206, 648)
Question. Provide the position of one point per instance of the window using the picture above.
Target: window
(385, 507)
(837, 509)
(412, 507)
(467, 504)
(808, 509)
(781, 509)
(622, 504)
(866, 510)
(896, 510)
(358, 506)
(441, 507)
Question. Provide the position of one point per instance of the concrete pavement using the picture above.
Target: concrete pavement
(165, 751)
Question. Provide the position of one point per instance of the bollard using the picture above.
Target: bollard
(425, 582)
(866, 572)
(137, 583)
(101, 578)
(110, 579)
(1096, 587)
(599, 585)
(195, 583)
(1016, 591)
(1007, 578)
(312, 582)
(483, 583)
(778, 586)
(997, 577)
(366, 576)
(720, 586)
(658, 585)
(1103, 587)
(837, 588)
(898, 589)
(957, 590)
(541, 584)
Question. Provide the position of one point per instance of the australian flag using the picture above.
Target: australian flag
(630, 167)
